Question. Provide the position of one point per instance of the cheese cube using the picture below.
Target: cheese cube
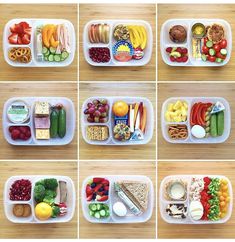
(42, 134)
(42, 108)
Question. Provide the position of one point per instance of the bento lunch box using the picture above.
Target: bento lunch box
(113, 62)
(113, 198)
(165, 41)
(190, 139)
(163, 202)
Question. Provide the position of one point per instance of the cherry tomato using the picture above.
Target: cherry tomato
(205, 40)
(205, 49)
(212, 58)
(219, 55)
(223, 44)
(217, 48)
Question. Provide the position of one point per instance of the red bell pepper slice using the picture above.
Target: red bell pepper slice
(192, 121)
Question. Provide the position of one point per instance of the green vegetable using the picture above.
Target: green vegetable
(219, 60)
(50, 193)
(62, 123)
(213, 125)
(220, 123)
(211, 52)
(49, 200)
(99, 210)
(44, 50)
(209, 44)
(204, 57)
(214, 202)
(51, 57)
(223, 52)
(55, 211)
(64, 55)
(51, 183)
(41, 182)
(57, 58)
(39, 192)
(52, 50)
(54, 118)
(97, 215)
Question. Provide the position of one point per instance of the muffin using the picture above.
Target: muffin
(178, 34)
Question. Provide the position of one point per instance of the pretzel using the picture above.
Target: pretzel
(178, 131)
(20, 54)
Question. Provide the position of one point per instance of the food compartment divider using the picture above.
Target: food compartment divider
(113, 23)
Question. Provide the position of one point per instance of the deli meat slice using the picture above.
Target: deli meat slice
(42, 122)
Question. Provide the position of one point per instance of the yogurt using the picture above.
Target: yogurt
(176, 191)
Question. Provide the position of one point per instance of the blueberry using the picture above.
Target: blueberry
(93, 185)
(94, 196)
(101, 189)
(106, 193)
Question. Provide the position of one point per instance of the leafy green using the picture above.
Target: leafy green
(51, 183)
(39, 193)
(55, 211)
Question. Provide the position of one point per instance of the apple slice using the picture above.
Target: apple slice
(106, 33)
(90, 34)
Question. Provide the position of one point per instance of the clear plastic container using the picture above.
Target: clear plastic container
(190, 138)
(113, 218)
(165, 41)
(163, 202)
(110, 124)
(8, 204)
(113, 23)
(34, 23)
(70, 121)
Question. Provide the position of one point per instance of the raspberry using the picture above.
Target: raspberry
(23, 129)
(11, 128)
(15, 134)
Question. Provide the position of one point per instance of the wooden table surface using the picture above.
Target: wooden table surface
(34, 89)
(196, 151)
(117, 231)
(88, 12)
(37, 231)
(216, 231)
(132, 152)
(53, 11)
(214, 11)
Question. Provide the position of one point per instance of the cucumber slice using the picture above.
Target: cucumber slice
(51, 58)
(98, 207)
(52, 50)
(107, 213)
(45, 58)
(47, 53)
(209, 44)
(223, 52)
(204, 57)
(65, 55)
(93, 207)
(57, 58)
(44, 50)
(218, 60)
(212, 52)
(91, 213)
(97, 215)
(102, 213)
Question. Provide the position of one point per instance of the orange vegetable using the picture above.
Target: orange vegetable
(136, 111)
(144, 120)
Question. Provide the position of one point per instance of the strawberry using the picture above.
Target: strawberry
(103, 198)
(15, 134)
(13, 38)
(88, 190)
(89, 198)
(26, 39)
(98, 187)
(97, 179)
(18, 29)
(19, 40)
(105, 182)
(12, 28)
(106, 188)
(27, 30)
(25, 25)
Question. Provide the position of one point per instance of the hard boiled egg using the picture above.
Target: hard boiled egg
(198, 131)
(196, 210)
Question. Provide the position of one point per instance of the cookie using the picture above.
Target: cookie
(27, 210)
(18, 210)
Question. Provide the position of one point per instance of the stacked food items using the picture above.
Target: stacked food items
(197, 198)
(50, 122)
(129, 198)
(20, 34)
(209, 42)
(50, 196)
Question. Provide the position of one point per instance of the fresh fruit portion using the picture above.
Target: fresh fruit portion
(120, 108)
(20, 34)
(97, 189)
(177, 112)
(20, 132)
(177, 54)
(43, 211)
(20, 190)
(99, 210)
(97, 111)
(99, 33)
(99, 55)
(138, 36)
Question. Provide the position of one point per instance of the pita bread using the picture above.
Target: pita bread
(137, 191)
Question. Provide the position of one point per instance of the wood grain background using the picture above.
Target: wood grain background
(88, 230)
(37, 231)
(133, 152)
(196, 151)
(51, 11)
(88, 12)
(216, 231)
(34, 89)
(213, 11)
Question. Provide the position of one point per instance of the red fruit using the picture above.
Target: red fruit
(23, 129)
(15, 134)
(28, 30)
(97, 179)
(88, 190)
(105, 182)
(212, 58)
(219, 55)
(103, 198)
(26, 39)
(207, 180)
(168, 49)
(13, 38)
(22, 136)
(184, 51)
(179, 49)
(179, 59)
(19, 40)
(89, 198)
(216, 48)
(184, 58)
(172, 58)
(106, 188)
(11, 128)
(97, 187)
(24, 24)
(223, 44)
(18, 29)
(205, 49)
(28, 134)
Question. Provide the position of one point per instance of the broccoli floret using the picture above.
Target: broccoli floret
(55, 211)
(50, 193)
(41, 182)
(51, 183)
(39, 193)
(49, 200)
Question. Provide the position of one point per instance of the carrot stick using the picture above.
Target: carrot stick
(136, 111)
(144, 119)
